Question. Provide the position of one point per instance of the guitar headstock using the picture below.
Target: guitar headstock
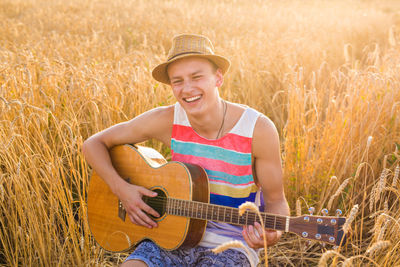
(328, 229)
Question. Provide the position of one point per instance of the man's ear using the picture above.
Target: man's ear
(219, 78)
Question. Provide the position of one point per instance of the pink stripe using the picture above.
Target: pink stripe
(213, 164)
(229, 141)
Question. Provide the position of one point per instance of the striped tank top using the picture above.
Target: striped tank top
(227, 162)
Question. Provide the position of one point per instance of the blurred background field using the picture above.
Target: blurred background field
(326, 72)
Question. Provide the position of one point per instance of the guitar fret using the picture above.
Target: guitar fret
(190, 209)
(247, 217)
(265, 220)
(252, 218)
(275, 223)
(237, 216)
(175, 207)
(184, 208)
(221, 212)
(201, 211)
(197, 210)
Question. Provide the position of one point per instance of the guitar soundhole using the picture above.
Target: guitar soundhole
(158, 203)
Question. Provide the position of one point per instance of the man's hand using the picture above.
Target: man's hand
(253, 235)
(131, 198)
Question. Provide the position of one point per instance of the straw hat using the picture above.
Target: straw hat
(186, 45)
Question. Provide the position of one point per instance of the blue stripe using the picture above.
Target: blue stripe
(211, 152)
(231, 201)
(233, 179)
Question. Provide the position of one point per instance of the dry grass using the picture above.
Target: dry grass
(326, 72)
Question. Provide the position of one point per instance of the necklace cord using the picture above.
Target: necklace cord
(223, 119)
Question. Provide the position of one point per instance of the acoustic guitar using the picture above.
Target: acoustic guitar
(183, 203)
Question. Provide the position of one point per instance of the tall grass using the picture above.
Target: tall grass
(326, 72)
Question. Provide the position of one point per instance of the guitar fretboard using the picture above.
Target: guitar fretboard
(205, 211)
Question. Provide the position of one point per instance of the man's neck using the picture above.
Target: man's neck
(209, 124)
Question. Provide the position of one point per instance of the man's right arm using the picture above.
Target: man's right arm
(156, 123)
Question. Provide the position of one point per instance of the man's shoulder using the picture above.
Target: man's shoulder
(264, 126)
(155, 119)
(162, 112)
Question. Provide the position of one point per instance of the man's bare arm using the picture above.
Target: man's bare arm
(268, 167)
(156, 123)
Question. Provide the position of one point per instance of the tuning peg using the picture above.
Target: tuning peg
(324, 212)
(311, 210)
(339, 212)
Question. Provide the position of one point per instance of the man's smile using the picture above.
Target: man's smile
(192, 99)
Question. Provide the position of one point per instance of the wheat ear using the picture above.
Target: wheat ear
(326, 256)
(338, 191)
(251, 206)
(378, 246)
(350, 219)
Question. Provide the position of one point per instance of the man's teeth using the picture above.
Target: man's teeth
(191, 99)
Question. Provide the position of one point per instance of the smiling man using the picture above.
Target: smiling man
(236, 145)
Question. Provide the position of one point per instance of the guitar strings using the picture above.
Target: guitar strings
(162, 202)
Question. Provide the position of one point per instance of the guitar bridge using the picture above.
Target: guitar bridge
(121, 209)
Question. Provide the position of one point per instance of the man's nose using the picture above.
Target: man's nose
(187, 85)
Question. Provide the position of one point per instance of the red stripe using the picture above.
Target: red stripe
(229, 141)
(214, 164)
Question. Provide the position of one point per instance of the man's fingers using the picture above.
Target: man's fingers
(145, 219)
(246, 237)
(147, 192)
(251, 239)
(150, 211)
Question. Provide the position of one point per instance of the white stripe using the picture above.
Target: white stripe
(244, 127)
(233, 186)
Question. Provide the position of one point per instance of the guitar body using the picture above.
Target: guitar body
(111, 226)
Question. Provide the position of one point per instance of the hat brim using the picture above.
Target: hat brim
(160, 72)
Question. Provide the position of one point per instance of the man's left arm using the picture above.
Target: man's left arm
(268, 170)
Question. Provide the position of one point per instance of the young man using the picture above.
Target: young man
(237, 146)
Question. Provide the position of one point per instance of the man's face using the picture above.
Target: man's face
(195, 83)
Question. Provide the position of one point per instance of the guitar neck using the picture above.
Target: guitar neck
(205, 211)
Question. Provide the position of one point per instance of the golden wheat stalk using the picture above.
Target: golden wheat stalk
(251, 206)
(229, 245)
(350, 219)
(337, 193)
(381, 185)
(378, 246)
(396, 176)
(323, 261)
(298, 207)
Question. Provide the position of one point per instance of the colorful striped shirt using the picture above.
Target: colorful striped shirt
(227, 162)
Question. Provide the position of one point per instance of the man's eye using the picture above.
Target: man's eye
(197, 77)
(176, 82)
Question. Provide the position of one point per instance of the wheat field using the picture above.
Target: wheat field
(326, 72)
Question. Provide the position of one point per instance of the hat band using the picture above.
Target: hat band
(191, 52)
